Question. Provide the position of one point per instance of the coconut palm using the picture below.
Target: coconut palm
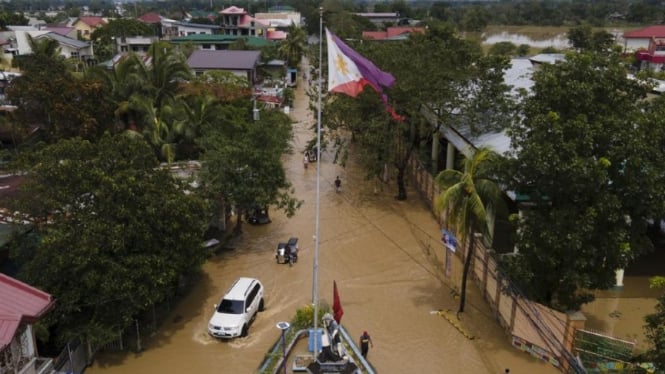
(293, 47)
(470, 196)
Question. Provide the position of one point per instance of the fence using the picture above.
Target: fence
(533, 328)
(77, 355)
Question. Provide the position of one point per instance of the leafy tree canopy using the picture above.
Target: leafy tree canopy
(116, 231)
(588, 154)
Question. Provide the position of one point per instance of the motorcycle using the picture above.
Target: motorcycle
(287, 252)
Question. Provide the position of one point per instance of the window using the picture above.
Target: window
(231, 307)
(74, 54)
(252, 295)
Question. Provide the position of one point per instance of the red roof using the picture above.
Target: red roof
(233, 10)
(647, 32)
(21, 303)
(92, 21)
(391, 32)
(151, 18)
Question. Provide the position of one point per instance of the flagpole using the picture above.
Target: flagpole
(315, 282)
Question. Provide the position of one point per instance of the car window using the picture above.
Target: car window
(231, 307)
(252, 295)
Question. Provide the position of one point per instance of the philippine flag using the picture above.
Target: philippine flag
(349, 72)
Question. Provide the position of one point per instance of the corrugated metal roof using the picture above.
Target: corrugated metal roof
(21, 303)
(227, 60)
(78, 44)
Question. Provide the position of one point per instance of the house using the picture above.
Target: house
(236, 21)
(135, 44)
(279, 18)
(392, 33)
(240, 63)
(22, 306)
(68, 31)
(220, 42)
(172, 29)
(69, 47)
(151, 18)
(200, 14)
(640, 39)
(653, 57)
(87, 24)
(381, 18)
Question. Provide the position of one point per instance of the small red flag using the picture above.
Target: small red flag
(337, 305)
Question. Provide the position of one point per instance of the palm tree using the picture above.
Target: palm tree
(470, 197)
(294, 46)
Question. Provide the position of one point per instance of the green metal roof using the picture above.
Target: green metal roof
(222, 39)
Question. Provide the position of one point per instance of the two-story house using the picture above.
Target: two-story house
(653, 57)
(236, 21)
(87, 24)
(171, 28)
(639, 39)
(21, 306)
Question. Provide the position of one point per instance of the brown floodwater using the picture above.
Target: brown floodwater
(373, 247)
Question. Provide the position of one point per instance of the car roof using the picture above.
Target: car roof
(240, 288)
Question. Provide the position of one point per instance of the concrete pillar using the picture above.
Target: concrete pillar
(575, 320)
(450, 156)
(435, 153)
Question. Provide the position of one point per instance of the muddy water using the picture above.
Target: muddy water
(379, 252)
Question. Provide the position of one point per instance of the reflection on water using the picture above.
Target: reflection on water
(620, 313)
(558, 42)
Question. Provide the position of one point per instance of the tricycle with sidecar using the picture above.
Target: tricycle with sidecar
(287, 252)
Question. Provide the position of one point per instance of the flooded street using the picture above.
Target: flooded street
(374, 247)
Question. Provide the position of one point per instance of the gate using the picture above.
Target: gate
(604, 354)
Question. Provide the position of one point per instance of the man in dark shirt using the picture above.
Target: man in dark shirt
(365, 342)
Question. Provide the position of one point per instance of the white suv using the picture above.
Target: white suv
(237, 309)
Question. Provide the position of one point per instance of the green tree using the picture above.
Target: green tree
(588, 155)
(293, 47)
(435, 70)
(507, 49)
(116, 233)
(584, 38)
(145, 96)
(242, 160)
(470, 197)
(48, 95)
(655, 327)
(105, 36)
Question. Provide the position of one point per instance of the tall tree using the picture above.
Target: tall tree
(588, 154)
(242, 160)
(116, 233)
(293, 47)
(655, 327)
(48, 95)
(470, 196)
(436, 70)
